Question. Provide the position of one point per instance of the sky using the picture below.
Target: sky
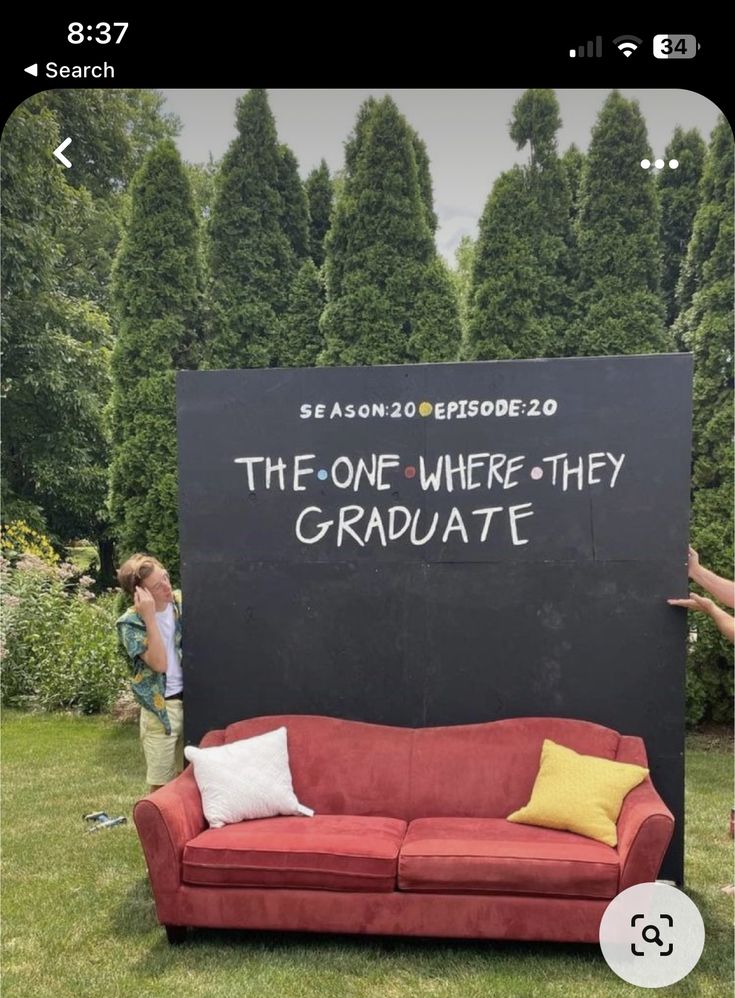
(465, 131)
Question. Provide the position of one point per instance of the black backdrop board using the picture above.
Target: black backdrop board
(441, 544)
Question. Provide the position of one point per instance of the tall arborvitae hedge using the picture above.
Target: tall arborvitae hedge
(252, 259)
(620, 309)
(705, 326)
(156, 291)
(388, 298)
(320, 196)
(295, 207)
(519, 296)
(573, 163)
(461, 275)
(679, 196)
(301, 340)
(423, 175)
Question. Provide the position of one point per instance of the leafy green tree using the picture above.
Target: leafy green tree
(111, 131)
(388, 298)
(157, 287)
(252, 261)
(61, 229)
(320, 196)
(679, 197)
(705, 326)
(620, 310)
(520, 292)
(55, 346)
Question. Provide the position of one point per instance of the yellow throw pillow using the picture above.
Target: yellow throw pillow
(579, 793)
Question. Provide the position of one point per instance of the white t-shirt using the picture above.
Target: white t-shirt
(167, 628)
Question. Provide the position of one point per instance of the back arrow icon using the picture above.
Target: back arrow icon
(59, 151)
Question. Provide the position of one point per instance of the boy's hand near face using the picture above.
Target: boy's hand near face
(144, 603)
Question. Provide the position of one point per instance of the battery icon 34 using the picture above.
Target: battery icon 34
(675, 46)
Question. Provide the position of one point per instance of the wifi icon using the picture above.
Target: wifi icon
(627, 44)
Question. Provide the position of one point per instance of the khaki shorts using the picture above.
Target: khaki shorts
(164, 754)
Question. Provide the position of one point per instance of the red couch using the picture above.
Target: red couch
(409, 837)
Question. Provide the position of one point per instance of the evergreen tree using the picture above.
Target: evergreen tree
(573, 163)
(320, 195)
(501, 311)
(705, 326)
(520, 293)
(679, 197)
(156, 287)
(302, 341)
(436, 333)
(203, 183)
(620, 310)
(423, 174)
(388, 299)
(535, 122)
(336, 245)
(461, 275)
(202, 179)
(295, 214)
(252, 262)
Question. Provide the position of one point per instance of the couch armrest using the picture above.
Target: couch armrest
(645, 825)
(167, 819)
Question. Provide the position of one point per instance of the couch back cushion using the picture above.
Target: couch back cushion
(473, 770)
(342, 767)
(488, 770)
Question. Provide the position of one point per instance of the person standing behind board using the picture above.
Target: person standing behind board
(722, 590)
(150, 633)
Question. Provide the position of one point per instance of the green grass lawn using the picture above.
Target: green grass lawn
(82, 556)
(78, 918)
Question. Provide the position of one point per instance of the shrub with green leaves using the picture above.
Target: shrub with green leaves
(59, 644)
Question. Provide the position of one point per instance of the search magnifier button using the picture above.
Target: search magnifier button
(655, 938)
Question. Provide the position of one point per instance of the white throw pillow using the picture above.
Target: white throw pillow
(246, 779)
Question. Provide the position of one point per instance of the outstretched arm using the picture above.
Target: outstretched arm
(722, 589)
(725, 623)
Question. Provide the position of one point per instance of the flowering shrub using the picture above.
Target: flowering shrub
(18, 539)
(59, 643)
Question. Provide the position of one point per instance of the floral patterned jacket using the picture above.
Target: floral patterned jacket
(148, 686)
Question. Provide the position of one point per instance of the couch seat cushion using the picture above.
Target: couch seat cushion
(492, 855)
(326, 852)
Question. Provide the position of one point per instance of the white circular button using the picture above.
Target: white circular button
(652, 935)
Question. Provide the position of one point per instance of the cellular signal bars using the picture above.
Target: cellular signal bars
(594, 50)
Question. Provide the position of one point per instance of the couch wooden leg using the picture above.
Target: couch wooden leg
(176, 934)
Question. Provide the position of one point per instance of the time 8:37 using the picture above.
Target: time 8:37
(100, 33)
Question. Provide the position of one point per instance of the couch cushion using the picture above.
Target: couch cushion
(326, 852)
(345, 767)
(470, 855)
(487, 770)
